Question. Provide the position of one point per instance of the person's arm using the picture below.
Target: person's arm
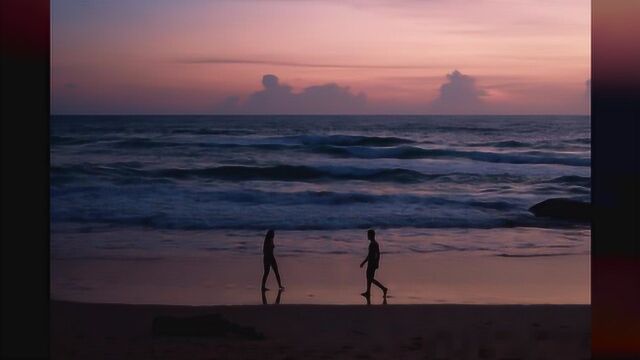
(365, 261)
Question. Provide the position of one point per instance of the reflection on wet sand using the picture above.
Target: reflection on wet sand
(264, 297)
(367, 297)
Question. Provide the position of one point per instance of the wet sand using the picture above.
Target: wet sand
(227, 279)
(111, 331)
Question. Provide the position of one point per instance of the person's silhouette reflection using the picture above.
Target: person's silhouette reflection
(264, 297)
(368, 299)
(269, 260)
(373, 261)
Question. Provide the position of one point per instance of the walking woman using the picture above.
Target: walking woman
(269, 260)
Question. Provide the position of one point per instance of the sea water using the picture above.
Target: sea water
(217, 183)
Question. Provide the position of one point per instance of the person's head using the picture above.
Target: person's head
(371, 234)
(270, 234)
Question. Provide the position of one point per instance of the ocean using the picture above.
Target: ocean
(136, 185)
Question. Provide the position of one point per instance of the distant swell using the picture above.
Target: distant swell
(412, 152)
(503, 144)
(572, 180)
(346, 140)
(204, 131)
(379, 152)
(289, 172)
(541, 144)
(135, 173)
(350, 146)
(276, 143)
(278, 173)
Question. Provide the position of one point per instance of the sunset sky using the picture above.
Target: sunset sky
(370, 57)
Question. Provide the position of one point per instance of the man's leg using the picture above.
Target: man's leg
(378, 284)
(370, 273)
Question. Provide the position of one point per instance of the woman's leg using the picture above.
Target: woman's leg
(274, 264)
(267, 267)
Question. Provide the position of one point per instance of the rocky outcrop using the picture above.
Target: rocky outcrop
(206, 325)
(565, 209)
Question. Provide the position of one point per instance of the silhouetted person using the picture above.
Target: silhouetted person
(269, 260)
(373, 261)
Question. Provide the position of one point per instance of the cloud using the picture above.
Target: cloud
(241, 61)
(459, 95)
(229, 105)
(70, 86)
(277, 98)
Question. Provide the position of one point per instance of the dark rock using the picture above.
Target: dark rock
(565, 209)
(206, 325)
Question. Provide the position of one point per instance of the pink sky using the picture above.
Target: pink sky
(190, 56)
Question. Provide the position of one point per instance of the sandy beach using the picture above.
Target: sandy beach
(112, 331)
(441, 305)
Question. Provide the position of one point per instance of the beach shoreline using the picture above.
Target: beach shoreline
(232, 279)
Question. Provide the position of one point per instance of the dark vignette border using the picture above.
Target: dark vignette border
(24, 53)
(24, 227)
(615, 119)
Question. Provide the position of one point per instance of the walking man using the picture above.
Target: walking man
(373, 261)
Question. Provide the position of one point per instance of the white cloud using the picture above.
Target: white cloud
(459, 95)
(278, 98)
